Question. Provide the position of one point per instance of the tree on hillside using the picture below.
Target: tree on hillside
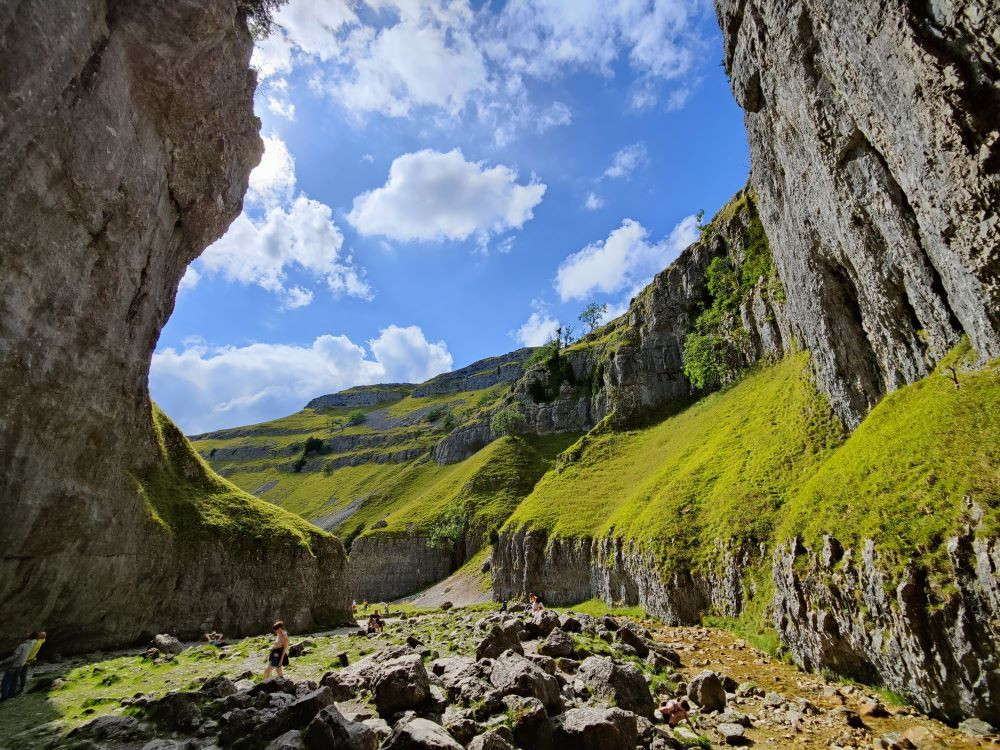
(567, 335)
(592, 314)
(259, 15)
(506, 421)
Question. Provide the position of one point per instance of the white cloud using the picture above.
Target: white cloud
(368, 158)
(624, 259)
(678, 98)
(205, 388)
(626, 160)
(281, 107)
(292, 234)
(593, 202)
(431, 195)
(392, 56)
(538, 329)
(543, 38)
(189, 280)
(303, 236)
(272, 181)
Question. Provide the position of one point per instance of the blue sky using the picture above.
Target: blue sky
(443, 181)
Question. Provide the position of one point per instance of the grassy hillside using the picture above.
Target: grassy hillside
(766, 458)
(298, 462)
(190, 500)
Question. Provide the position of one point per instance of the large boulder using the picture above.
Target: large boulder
(490, 741)
(542, 623)
(498, 640)
(419, 734)
(513, 674)
(298, 713)
(632, 635)
(528, 722)
(595, 729)
(556, 644)
(707, 690)
(167, 644)
(400, 684)
(618, 682)
(330, 729)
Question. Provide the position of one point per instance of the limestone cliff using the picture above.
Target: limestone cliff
(633, 368)
(875, 153)
(127, 137)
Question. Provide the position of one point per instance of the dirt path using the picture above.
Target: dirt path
(462, 588)
(792, 723)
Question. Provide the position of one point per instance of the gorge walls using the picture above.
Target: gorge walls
(127, 138)
(875, 153)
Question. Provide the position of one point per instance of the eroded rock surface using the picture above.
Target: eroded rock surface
(128, 135)
(875, 153)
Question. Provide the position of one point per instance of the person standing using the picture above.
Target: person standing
(277, 659)
(36, 646)
(11, 667)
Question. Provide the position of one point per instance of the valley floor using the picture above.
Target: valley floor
(782, 706)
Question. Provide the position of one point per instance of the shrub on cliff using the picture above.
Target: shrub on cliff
(356, 417)
(506, 421)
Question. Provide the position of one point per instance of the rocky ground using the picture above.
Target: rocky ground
(469, 678)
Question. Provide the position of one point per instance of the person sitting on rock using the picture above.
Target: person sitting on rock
(375, 623)
(503, 605)
(676, 711)
(12, 666)
(214, 639)
(536, 606)
(278, 657)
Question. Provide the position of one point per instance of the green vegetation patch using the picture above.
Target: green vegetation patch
(719, 470)
(192, 502)
(907, 474)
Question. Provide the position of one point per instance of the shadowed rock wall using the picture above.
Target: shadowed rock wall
(126, 138)
(875, 151)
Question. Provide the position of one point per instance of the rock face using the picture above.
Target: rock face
(383, 568)
(128, 135)
(635, 366)
(362, 395)
(875, 152)
(839, 609)
(486, 373)
(571, 570)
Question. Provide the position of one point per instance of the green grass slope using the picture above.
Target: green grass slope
(404, 497)
(190, 500)
(766, 459)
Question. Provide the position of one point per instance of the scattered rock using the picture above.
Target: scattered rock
(497, 641)
(977, 727)
(290, 740)
(707, 691)
(400, 684)
(732, 734)
(109, 728)
(512, 674)
(556, 644)
(419, 734)
(331, 729)
(622, 683)
(595, 729)
(528, 722)
(167, 644)
(490, 741)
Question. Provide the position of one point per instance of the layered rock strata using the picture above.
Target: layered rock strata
(634, 367)
(875, 153)
(128, 136)
(383, 568)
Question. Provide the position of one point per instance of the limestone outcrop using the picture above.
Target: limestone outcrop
(875, 152)
(484, 373)
(383, 568)
(128, 136)
(634, 367)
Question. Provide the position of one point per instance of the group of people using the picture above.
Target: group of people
(15, 667)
